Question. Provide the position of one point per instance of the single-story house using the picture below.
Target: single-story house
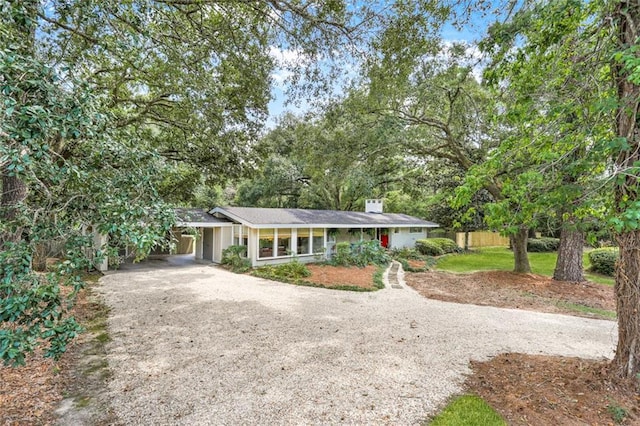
(274, 235)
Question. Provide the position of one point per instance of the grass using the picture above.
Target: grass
(501, 259)
(468, 410)
(588, 310)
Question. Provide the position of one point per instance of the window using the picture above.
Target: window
(265, 243)
(318, 240)
(284, 242)
(415, 230)
(240, 237)
(303, 241)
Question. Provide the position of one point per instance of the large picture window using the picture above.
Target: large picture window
(318, 240)
(284, 241)
(266, 242)
(304, 241)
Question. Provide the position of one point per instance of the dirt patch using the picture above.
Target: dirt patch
(517, 291)
(538, 390)
(341, 276)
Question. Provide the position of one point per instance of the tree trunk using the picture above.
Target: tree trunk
(569, 264)
(14, 191)
(519, 247)
(627, 360)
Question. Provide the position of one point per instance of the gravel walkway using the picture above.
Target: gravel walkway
(198, 345)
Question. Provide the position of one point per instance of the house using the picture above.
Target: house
(274, 235)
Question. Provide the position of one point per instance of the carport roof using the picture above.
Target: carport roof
(264, 217)
(192, 217)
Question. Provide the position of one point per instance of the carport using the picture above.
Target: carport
(209, 233)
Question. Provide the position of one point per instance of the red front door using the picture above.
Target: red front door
(384, 240)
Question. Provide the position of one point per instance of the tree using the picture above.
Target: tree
(192, 77)
(551, 127)
(626, 74)
(75, 180)
(334, 160)
(88, 102)
(607, 35)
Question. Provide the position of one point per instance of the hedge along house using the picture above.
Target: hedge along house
(273, 235)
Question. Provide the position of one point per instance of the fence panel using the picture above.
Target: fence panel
(483, 239)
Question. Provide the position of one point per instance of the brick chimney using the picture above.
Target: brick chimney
(373, 206)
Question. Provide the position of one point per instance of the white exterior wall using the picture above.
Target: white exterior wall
(404, 238)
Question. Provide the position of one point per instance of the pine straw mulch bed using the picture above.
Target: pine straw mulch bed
(538, 390)
(342, 276)
(30, 394)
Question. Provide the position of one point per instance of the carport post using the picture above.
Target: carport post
(199, 244)
(99, 241)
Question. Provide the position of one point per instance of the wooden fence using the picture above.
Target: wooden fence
(482, 239)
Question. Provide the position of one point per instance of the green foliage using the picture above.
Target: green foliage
(428, 247)
(293, 271)
(468, 410)
(330, 160)
(448, 245)
(603, 260)
(406, 253)
(544, 244)
(235, 257)
(378, 278)
(80, 179)
(361, 254)
(437, 246)
(618, 413)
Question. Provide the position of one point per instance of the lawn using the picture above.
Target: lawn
(501, 258)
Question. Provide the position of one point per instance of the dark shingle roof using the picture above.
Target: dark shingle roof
(197, 216)
(266, 216)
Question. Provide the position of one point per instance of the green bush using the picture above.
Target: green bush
(342, 255)
(291, 271)
(406, 253)
(429, 248)
(543, 245)
(437, 246)
(235, 258)
(603, 260)
(447, 245)
(361, 254)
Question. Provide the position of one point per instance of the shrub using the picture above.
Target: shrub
(291, 271)
(429, 248)
(447, 245)
(603, 260)
(235, 258)
(542, 245)
(437, 246)
(361, 254)
(406, 253)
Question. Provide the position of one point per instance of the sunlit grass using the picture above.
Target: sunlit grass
(467, 410)
(501, 259)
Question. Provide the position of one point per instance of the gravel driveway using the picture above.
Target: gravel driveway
(198, 345)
